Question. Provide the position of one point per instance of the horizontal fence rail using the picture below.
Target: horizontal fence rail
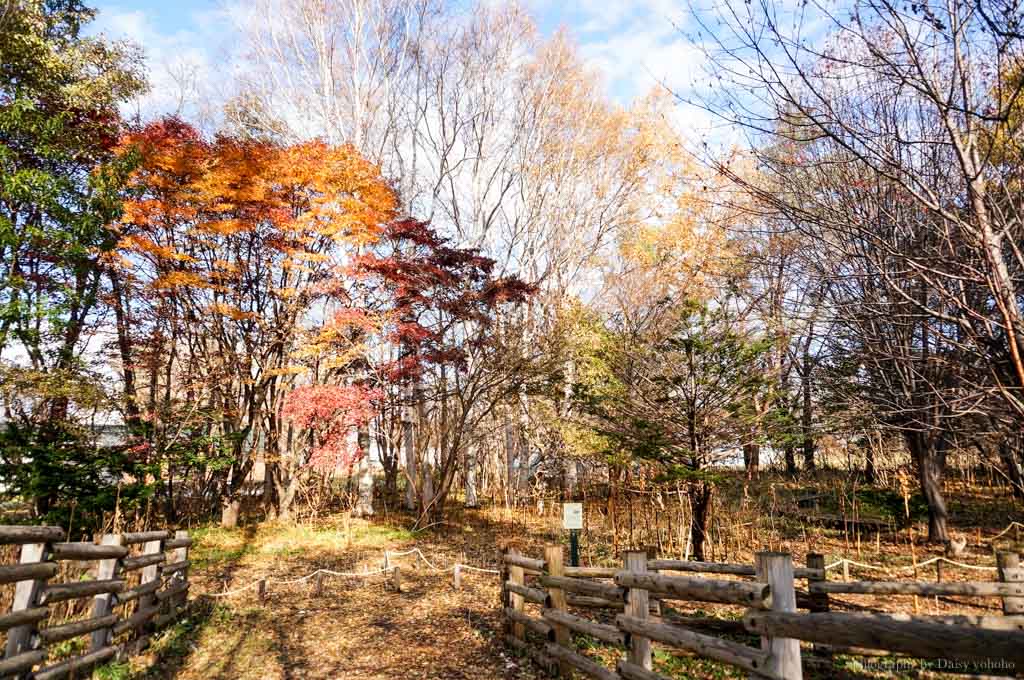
(537, 595)
(139, 583)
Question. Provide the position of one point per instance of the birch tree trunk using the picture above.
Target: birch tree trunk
(364, 502)
(471, 465)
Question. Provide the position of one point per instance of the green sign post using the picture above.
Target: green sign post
(572, 519)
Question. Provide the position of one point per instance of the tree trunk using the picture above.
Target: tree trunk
(364, 502)
(700, 494)
(928, 452)
(789, 453)
(409, 445)
(271, 500)
(427, 484)
(471, 464)
(751, 459)
(869, 463)
(511, 476)
(807, 415)
(1013, 462)
(125, 347)
(229, 511)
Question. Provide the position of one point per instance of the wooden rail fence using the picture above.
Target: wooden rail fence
(558, 596)
(140, 584)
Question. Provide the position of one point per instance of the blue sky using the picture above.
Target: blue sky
(633, 42)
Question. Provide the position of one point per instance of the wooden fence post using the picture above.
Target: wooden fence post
(818, 601)
(103, 605)
(26, 596)
(180, 556)
(261, 590)
(150, 574)
(1010, 571)
(318, 584)
(655, 606)
(517, 577)
(457, 577)
(556, 600)
(776, 569)
(637, 606)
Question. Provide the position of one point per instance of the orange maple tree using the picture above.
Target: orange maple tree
(230, 244)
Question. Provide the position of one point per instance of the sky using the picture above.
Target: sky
(634, 43)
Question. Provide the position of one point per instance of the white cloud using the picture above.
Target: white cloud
(184, 67)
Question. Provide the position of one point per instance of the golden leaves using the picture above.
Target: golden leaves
(236, 205)
(176, 279)
(143, 244)
(230, 311)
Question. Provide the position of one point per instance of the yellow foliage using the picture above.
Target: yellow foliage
(175, 279)
(229, 311)
(143, 244)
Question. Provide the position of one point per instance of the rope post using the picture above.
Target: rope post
(1010, 571)
(846, 569)
(261, 590)
(457, 576)
(318, 584)
(638, 607)
(103, 605)
(818, 601)
(387, 562)
(396, 579)
(776, 569)
(556, 600)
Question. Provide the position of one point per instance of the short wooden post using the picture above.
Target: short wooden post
(637, 606)
(102, 605)
(396, 579)
(318, 584)
(261, 590)
(1010, 571)
(26, 596)
(180, 555)
(655, 606)
(776, 569)
(846, 569)
(517, 577)
(149, 574)
(556, 600)
(818, 601)
(457, 576)
(387, 562)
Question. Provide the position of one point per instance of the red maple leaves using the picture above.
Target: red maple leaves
(331, 413)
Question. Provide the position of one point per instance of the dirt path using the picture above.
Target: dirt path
(358, 629)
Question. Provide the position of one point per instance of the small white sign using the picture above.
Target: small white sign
(572, 515)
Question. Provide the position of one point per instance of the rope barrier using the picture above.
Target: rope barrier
(356, 574)
(1012, 525)
(430, 565)
(910, 567)
(480, 569)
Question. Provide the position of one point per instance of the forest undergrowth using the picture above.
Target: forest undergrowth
(360, 628)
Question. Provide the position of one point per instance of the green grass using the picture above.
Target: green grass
(676, 666)
(216, 546)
